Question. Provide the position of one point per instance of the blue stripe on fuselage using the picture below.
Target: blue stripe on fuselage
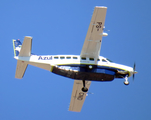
(93, 66)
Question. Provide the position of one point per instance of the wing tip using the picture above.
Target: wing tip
(30, 37)
(100, 7)
(74, 110)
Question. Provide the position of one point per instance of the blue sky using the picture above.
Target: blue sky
(60, 27)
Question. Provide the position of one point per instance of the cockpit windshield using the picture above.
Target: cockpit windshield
(106, 60)
(109, 60)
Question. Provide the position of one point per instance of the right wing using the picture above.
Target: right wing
(78, 97)
(92, 44)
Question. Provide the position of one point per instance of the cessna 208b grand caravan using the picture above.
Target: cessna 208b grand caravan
(83, 68)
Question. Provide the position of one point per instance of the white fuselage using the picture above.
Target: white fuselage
(48, 62)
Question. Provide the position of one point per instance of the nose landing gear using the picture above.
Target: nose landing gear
(84, 89)
(126, 80)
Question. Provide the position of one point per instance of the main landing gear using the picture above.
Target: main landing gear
(84, 89)
(126, 80)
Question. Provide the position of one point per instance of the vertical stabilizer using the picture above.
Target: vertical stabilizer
(22, 50)
(26, 47)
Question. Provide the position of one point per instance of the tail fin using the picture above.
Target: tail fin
(26, 47)
(17, 47)
(22, 50)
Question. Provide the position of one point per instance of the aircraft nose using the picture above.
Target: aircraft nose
(135, 72)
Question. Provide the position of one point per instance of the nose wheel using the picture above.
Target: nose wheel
(126, 80)
(84, 89)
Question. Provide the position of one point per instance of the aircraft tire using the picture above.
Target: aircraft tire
(84, 89)
(126, 83)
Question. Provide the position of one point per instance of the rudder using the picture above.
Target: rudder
(16, 46)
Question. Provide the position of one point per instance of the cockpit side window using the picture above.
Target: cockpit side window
(106, 60)
(103, 60)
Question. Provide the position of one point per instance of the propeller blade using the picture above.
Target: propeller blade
(133, 76)
(134, 67)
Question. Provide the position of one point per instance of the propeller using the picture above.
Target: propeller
(134, 72)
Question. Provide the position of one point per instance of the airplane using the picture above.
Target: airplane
(84, 68)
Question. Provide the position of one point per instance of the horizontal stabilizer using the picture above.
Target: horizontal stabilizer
(20, 69)
(26, 47)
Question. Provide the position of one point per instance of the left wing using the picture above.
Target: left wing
(92, 43)
(78, 97)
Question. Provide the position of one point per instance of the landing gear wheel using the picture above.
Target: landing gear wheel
(126, 82)
(84, 89)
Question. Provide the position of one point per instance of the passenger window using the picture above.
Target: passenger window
(75, 58)
(98, 59)
(104, 60)
(68, 57)
(55, 57)
(62, 57)
(83, 58)
(92, 59)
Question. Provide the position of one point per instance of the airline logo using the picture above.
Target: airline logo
(45, 58)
